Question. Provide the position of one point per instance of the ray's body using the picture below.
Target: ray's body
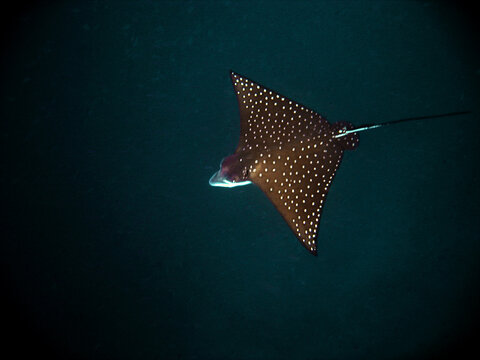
(290, 152)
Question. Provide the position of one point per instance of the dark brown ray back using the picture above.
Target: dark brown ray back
(292, 154)
(269, 119)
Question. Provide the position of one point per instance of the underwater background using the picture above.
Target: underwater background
(114, 114)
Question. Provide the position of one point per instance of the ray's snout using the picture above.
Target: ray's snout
(217, 179)
(227, 175)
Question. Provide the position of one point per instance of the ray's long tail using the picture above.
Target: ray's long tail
(374, 126)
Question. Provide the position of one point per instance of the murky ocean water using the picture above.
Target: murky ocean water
(114, 115)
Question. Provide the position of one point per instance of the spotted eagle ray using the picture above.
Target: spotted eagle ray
(291, 152)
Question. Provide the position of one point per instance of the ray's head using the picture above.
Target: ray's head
(233, 172)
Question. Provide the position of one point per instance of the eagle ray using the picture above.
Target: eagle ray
(291, 153)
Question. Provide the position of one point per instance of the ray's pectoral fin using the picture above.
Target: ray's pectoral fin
(297, 181)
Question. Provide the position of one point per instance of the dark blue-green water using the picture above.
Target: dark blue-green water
(114, 114)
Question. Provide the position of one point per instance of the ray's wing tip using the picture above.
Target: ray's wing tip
(233, 76)
(311, 250)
